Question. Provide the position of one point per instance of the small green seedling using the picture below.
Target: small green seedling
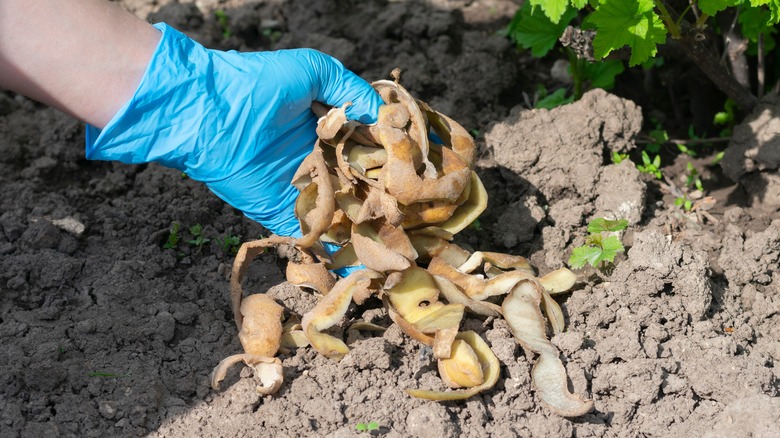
(719, 156)
(726, 118)
(198, 239)
(682, 147)
(476, 225)
(224, 23)
(618, 158)
(552, 100)
(650, 167)
(272, 34)
(686, 149)
(659, 136)
(173, 236)
(599, 249)
(683, 202)
(230, 244)
(693, 178)
(367, 427)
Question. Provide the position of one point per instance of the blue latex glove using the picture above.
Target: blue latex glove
(239, 122)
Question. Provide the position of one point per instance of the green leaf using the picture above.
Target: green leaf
(721, 118)
(774, 9)
(584, 254)
(373, 425)
(712, 7)
(659, 135)
(645, 158)
(627, 22)
(600, 224)
(554, 99)
(602, 74)
(361, 427)
(533, 30)
(609, 249)
(553, 9)
(618, 158)
(754, 21)
(579, 4)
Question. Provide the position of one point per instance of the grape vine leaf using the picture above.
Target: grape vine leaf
(609, 249)
(627, 22)
(600, 224)
(554, 99)
(712, 7)
(755, 21)
(602, 74)
(533, 30)
(553, 9)
(774, 8)
(584, 254)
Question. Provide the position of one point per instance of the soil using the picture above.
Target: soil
(107, 333)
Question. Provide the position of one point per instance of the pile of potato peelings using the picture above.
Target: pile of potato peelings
(393, 199)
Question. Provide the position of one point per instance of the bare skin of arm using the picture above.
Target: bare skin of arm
(83, 57)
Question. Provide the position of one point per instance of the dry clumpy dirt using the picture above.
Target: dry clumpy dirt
(106, 333)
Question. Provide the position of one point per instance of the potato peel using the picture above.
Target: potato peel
(312, 275)
(558, 281)
(330, 310)
(393, 201)
(267, 369)
(461, 369)
(261, 330)
(521, 310)
(491, 369)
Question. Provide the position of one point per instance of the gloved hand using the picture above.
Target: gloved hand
(239, 122)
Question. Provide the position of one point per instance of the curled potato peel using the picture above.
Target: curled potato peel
(261, 336)
(393, 201)
(330, 310)
(521, 310)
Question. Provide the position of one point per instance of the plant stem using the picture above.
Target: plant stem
(671, 25)
(760, 67)
(694, 44)
(701, 21)
(577, 72)
(685, 11)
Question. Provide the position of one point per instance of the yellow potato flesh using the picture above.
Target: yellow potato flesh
(415, 288)
(558, 281)
(363, 158)
(470, 210)
(491, 369)
(330, 310)
(462, 369)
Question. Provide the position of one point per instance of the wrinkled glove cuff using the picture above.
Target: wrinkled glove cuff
(140, 131)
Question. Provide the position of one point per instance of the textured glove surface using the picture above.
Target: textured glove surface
(239, 122)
